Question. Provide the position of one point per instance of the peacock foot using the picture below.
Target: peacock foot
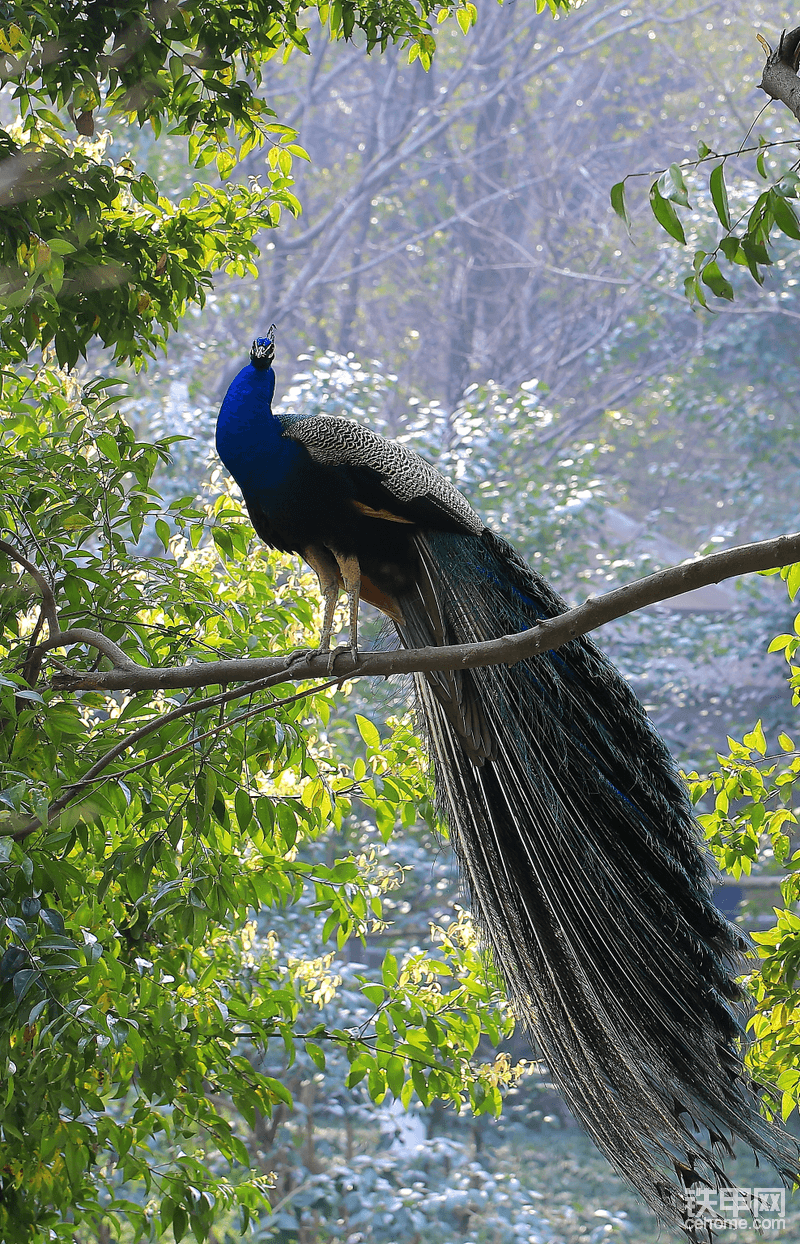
(340, 651)
(304, 654)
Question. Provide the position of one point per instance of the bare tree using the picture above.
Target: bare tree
(478, 193)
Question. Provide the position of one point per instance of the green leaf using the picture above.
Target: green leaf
(30, 908)
(362, 1065)
(389, 973)
(226, 163)
(395, 1075)
(755, 740)
(675, 185)
(13, 959)
(368, 733)
(278, 1091)
(244, 809)
(20, 927)
(316, 1054)
(119, 1030)
(107, 445)
(53, 919)
(756, 255)
(716, 282)
(22, 982)
(694, 290)
(666, 215)
(163, 532)
(618, 202)
(376, 1085)
(731, 249)
(719, 195)
(288, 823)
(785, 217)
(60, 246)
(180, 1223)
(793, 580)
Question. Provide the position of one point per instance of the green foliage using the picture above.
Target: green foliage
(754, 793)
(135, 1010)
(749, 235)
(89, 248)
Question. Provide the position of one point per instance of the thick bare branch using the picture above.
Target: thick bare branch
(597, 611)
(94, 639)
(779, 79)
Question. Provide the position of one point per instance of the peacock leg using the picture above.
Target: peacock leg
(350, 571)
(326, 570)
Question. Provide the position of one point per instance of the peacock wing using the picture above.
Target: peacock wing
(391, 480)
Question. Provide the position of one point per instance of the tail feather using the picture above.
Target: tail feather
(588, 878)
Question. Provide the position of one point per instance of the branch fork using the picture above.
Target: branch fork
(56, 637)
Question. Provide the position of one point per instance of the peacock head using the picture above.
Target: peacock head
(262, 351)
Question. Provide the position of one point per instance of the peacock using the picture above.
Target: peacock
(575, 836)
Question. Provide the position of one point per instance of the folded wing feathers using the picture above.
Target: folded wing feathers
(407, 476)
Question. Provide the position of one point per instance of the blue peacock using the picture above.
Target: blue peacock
(575, 836)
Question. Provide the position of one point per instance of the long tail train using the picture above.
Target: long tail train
(589, 880)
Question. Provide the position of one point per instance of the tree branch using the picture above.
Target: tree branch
(82, 635)
(779, 79)
(268, 671)
(597, 611)
(49, 611)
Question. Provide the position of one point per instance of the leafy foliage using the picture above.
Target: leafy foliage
(135, 1010)
(90, 248)
(748, 234)
(750, 827)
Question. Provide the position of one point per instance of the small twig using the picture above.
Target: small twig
(74, 789)
(758, 116)
(222, 724)
(33, 662)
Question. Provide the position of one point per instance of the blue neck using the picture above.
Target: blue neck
(249, 436)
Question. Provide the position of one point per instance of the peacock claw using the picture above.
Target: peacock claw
(340, 651)
(303, 654)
